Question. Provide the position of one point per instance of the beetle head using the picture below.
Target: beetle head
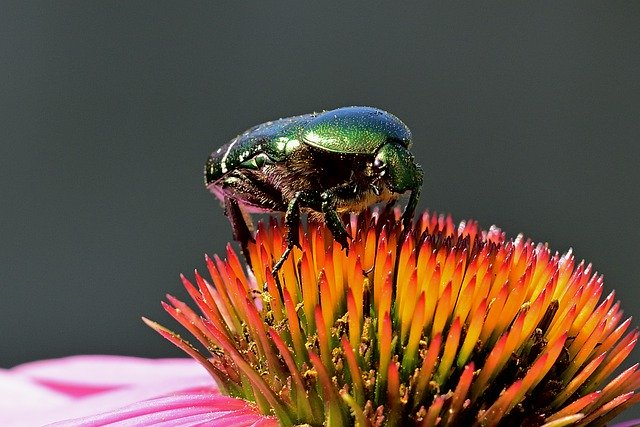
(395, 165)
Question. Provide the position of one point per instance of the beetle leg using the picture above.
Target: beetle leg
(241, 230)
(409, 210)
(292, 222)
(283, 258)
(327, 205)
(331, 218)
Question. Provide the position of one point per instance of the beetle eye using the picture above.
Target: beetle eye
(379, 165)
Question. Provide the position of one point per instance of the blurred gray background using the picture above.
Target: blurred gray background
(523, 116)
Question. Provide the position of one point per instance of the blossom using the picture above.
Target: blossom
(437, 324)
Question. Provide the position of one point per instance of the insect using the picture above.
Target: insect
(323, 164)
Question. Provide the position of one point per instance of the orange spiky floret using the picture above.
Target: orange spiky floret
(436, 324)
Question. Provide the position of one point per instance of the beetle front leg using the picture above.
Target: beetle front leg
(241, 230)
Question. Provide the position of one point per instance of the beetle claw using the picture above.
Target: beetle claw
(343, 240)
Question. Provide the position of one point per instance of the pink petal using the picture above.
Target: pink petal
(191, 408)
(125, 390)
(79, 376)
(20, 395)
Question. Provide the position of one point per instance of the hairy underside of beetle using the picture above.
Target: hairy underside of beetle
(313, 172)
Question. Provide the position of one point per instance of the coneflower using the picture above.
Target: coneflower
(436, 325)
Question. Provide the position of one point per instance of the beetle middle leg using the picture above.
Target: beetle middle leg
(326, 203)
(292, 223)
(331, 218)
(409, 210)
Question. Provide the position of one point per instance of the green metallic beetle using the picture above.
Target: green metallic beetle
(323, 164)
